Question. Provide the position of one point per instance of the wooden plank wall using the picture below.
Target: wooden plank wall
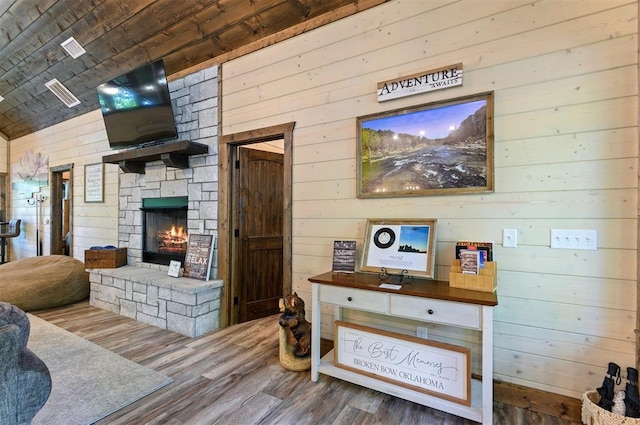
(80, 141)
(566, 153)
(4, 163)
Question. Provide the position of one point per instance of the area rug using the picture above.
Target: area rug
(89, 382)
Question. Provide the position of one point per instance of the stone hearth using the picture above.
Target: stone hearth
(189, 307)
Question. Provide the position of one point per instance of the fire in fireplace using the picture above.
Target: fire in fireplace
(164, 229)
(173, 240)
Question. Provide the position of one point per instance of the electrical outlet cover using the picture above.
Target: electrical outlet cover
(574, 239)
(509, 238)
(421, 332)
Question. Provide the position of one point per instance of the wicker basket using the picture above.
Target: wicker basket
(592, 414)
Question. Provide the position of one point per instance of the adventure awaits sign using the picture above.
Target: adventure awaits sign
(435, 79)
(430, 367)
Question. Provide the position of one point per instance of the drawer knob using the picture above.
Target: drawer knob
(430, 311)
(349, 299)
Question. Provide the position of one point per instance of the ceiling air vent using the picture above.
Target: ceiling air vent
(62, 93)
(73, 48)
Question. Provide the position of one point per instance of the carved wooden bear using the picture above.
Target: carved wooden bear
(293, 320)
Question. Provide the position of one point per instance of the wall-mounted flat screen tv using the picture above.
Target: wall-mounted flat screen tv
(136, 107)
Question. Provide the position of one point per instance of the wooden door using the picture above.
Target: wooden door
(61, 205)
(260, 207)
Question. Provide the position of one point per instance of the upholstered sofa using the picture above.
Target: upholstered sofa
(25, 382)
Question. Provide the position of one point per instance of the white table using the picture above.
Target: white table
(419, 299)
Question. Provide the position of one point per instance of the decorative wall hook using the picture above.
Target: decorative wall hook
(36, 197)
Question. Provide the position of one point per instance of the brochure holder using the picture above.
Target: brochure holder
(486, 280)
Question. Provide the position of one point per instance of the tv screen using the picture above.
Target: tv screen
(136, 107)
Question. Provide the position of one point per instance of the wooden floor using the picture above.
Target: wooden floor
(233, 376)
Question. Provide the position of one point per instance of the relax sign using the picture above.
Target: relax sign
(435, 79)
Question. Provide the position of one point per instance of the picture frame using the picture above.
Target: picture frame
(400, 246)
(438, 148)
(197, 261)
(94, 182)
(174, 268)
(344, 257)
(442, 369)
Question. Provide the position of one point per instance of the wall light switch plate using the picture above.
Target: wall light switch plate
(574, 239)
(509, 238)
(421, 332)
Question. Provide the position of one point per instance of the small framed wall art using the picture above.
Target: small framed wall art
(94, 182)
(440, 148)
(400, 246)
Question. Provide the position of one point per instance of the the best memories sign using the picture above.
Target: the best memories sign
(430, 367)
(435, 79)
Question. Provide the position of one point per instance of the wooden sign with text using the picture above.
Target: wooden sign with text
(344, 256)
(197, 261)
(430, 367)
(435, 79)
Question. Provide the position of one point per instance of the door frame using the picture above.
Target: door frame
(225, 228)
(55, 202)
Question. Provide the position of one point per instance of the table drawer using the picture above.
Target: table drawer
(354, 298)
(437, 311)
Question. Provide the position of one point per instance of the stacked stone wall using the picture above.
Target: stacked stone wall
(194, 99)
(144, 291)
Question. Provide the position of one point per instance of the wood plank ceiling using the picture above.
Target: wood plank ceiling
(120, 35)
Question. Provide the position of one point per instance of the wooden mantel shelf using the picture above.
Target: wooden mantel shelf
(174, 154)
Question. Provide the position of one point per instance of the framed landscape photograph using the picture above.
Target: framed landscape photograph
(439, 148)
(399, 245)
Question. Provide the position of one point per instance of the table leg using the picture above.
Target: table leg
(487, 365)
(315, 331)
(3, 247)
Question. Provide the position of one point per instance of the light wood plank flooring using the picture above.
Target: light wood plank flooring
(233, 376)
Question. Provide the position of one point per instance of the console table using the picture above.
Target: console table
(417, 299)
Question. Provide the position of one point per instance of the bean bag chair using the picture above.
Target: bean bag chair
(37, 283)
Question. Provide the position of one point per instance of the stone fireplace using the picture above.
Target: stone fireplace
(168, 197)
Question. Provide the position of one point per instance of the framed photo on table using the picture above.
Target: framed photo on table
(94, 182)
(400, 246)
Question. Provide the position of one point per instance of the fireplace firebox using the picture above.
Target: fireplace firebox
(164, 229)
